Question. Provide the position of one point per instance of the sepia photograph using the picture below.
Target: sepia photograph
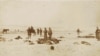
(49, 28)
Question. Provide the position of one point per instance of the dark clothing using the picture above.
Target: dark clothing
(40, 32)
(33, 30)
(97, 34)
(78, 31)
(29, 32)
(45, 34)
(50, 33)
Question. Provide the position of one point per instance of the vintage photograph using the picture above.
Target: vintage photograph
(49, 28)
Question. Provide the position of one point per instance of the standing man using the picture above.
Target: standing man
(78, 32)
(45, 33)
(29, 33)
(50, 33)
(33, 30)
(97, 34)
(40, 32)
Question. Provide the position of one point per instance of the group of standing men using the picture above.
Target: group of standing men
(47, 33)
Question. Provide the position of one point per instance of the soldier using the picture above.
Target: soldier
(97, 33)
(50, 33)
(40, 32)
(33, 30)
(29, 32)
(45, 33)
(78, 32)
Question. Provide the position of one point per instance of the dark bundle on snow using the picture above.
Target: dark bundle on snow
(19, 37)
(56, 41)
(61, 37)
(40, 41)
(86, 43)
(86, 36)
(29, 41)
(52, 47)
(43, 41)
(48, 41)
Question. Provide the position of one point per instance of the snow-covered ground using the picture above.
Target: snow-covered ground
(70, 45)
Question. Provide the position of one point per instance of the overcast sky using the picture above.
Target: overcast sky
(50, 13)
